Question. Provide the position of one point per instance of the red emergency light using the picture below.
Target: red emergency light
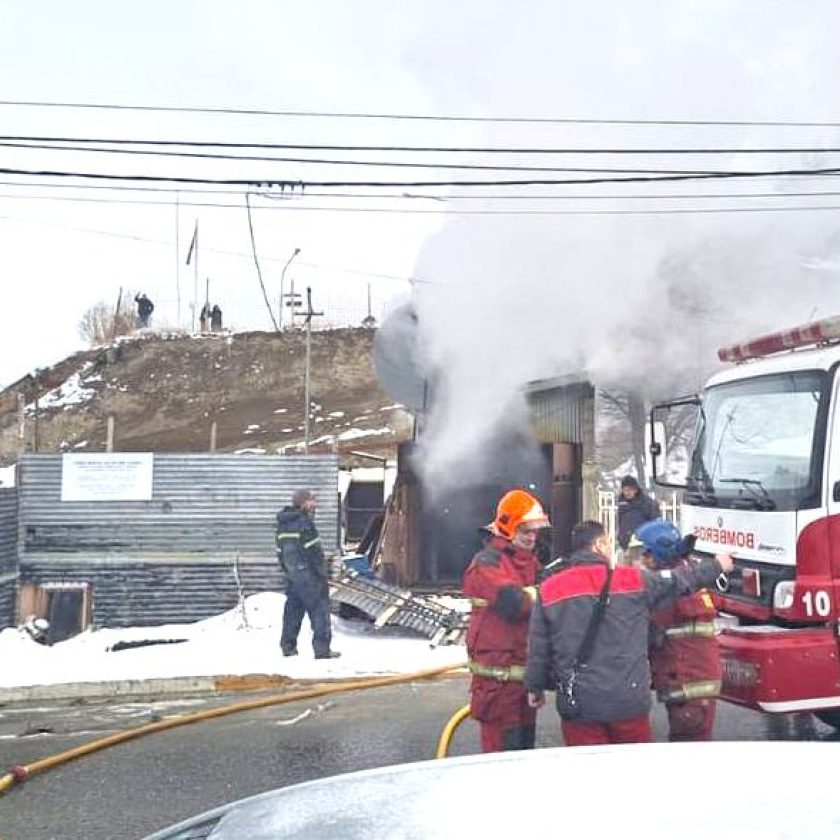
(816, 333)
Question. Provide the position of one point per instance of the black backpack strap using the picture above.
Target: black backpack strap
(598, 611)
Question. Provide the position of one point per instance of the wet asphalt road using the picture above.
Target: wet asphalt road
(128, 791)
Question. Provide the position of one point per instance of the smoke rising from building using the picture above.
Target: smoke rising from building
(632, 301)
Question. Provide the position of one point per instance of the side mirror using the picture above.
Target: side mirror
(835, 491)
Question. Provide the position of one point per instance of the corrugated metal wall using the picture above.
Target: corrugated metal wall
(560, 415)
(131, 593)
(8, 554)
(200, 503)
(169, 559)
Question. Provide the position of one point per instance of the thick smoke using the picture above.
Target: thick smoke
(636, 302)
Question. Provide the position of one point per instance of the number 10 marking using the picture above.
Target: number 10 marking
(816, 602)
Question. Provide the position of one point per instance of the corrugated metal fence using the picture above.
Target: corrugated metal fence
(169, 558)
(8, 554)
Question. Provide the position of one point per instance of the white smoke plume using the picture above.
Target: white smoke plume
(633, 301)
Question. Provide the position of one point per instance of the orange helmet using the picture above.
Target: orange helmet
(517, 509)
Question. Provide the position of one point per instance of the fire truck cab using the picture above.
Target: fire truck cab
(762, 481)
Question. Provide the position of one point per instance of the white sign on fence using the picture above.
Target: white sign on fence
(106, 476)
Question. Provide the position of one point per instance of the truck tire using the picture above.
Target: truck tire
(830, 717)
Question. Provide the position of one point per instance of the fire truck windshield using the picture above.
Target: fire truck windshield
(760, 443)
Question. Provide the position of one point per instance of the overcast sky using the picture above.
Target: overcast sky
(688, 59)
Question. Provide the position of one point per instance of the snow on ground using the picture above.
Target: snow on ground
(70, 392)
(221, 645)
(352, 434)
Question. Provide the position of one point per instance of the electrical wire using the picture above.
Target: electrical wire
(299, 184)
(659, 211)
(489, 150)
(465, 118)
(27, 184)
(334, 162)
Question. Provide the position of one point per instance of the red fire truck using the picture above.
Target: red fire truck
(762, 481)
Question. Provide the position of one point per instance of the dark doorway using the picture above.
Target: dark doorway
(363, 503)
(449, 530)
(66, 613)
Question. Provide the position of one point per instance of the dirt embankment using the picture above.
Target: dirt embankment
(165, 392)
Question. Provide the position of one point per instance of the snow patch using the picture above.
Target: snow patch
(234, 642)
(352, 434)
(70, 392)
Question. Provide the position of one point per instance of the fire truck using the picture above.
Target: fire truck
(762, 481)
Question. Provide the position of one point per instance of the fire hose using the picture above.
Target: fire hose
(20, 773)
(449, 730)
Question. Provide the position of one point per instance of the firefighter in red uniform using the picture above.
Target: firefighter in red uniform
(500, 583)
(684, 654)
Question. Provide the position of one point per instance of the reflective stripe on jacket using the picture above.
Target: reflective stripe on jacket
(493, 638)
(684, 656)
(299, 550)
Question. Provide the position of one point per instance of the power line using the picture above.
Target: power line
(491, 150)
(376, 195)
(447, 210)
(466, 118)
(335, 162)
(658, 211)
(301, 185)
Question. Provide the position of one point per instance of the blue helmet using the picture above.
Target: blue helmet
(663, 542)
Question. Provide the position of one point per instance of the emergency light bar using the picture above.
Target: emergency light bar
(816, 333)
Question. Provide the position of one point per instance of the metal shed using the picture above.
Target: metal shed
(8, 554)
(429, 542)
(168, 557)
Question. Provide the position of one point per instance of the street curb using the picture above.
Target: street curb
(160, 687)
(163, 687)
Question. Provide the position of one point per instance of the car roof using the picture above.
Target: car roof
(651, 790)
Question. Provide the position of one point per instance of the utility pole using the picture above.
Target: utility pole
(307, 410)
(194, 248)
(282, 281)
(178, 255)
(293, 301)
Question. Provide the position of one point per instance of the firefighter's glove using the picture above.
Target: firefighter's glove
(510, 603)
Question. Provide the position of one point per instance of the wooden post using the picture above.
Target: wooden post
(213, 429)
(109, 440)
(21, 401)
(35, 428)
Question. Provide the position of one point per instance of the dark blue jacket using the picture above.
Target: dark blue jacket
(615, 684)
(299, 549)
(632, 514)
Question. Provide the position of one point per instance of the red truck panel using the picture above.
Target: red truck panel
(780, 670)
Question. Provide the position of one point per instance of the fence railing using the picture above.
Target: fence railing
(669, 504)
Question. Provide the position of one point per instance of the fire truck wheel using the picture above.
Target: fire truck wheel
(829, 716)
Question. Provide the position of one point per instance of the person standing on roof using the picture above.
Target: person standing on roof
(684, 654)
(588, 638)
(634, 509)
(500, 583)
(302, 561)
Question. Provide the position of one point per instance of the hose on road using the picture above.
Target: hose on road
(20, 773)
(449, 730)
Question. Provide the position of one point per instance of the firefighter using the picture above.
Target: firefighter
(500, 583)
(684, 654)
(588, 638)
